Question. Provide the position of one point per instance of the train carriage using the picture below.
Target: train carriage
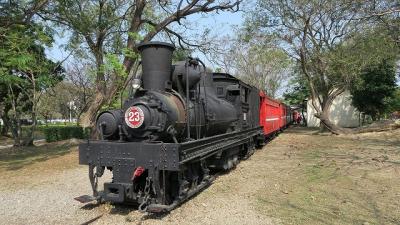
(272, 115)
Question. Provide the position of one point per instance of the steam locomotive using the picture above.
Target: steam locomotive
(180, 122)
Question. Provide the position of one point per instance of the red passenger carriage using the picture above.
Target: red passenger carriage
(274, 115)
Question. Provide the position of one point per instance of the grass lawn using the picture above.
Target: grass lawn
(15, 158)
(345, 179)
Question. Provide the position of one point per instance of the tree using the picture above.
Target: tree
(314, 33)
(298, 93)
(24, 69)
(387, 13)
(181, 54)
(254, 60)
(373, 54)
(80, 75)
(58, 100)
(375, 87)
(263, 67)
(71, 96)
(3, 109)
(26, 74)
(112, 30)
(394, 103)
(48, 106)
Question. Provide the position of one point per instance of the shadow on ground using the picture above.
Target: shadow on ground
(16, 158)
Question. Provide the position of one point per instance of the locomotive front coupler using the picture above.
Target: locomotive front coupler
(93, 178)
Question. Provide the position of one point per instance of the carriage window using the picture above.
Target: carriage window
(220, 91)
(244, 95)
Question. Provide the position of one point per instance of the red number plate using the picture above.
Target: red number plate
(134, 117)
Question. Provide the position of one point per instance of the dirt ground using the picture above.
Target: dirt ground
(297, 178)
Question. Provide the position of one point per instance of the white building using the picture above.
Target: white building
(341, 113)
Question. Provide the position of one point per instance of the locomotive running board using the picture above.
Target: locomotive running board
(211, 145)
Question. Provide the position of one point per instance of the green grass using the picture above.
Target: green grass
(320, 172)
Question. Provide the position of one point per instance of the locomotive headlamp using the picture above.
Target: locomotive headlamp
(136, 83)
(107, 123)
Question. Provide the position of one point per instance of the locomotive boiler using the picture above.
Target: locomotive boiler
(181, 122)
(177, 102)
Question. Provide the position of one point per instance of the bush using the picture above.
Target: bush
(50, 134)
(58, 133)
(86, 132)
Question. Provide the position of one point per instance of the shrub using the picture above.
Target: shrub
(58, 133)
(86, 132)
(50, 134)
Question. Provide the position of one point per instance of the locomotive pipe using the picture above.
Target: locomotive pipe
(203, 73)
(205, 92)
(187, 100)
(188, 62)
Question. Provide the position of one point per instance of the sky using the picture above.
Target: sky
(221, 24)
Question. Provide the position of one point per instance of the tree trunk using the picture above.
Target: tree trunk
(323, 109)
(16, 130)
(31, 135)
(6, 125)
(15, 124)
(302, 114)
(78, 120)
(325, 121)
(6, 121)
(362, 119)
(89, 117)
(322, 127)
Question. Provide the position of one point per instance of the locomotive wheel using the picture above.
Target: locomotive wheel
(235, 160)
(230, 163)
(226, 165)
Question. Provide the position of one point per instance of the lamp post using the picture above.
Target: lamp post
(71, 105)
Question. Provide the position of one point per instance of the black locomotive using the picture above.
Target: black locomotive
(180, 122)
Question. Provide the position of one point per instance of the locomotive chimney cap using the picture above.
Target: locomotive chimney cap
(156, 64)
(155, 44)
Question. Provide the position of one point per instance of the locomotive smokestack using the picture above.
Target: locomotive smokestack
(156, 64)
